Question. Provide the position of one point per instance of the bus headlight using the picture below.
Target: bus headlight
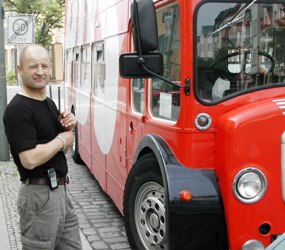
(253, 245)
(249, 185)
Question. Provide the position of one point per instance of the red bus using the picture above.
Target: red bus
(180, 108)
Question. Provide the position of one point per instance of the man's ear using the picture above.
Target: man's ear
(19, 69)
(50, 70)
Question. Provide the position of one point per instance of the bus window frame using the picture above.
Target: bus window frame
(76, 67)
(95, 62)
(238, 93)
(85, 61)
(166, 86)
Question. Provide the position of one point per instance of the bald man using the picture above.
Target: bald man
(39, 136)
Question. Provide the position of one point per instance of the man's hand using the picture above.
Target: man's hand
(67, 120)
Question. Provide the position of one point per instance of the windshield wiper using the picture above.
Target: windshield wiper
(236, 19)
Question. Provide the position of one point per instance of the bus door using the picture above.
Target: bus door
(136, 117)
(163, 99)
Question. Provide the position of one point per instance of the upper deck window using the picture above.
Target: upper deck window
(239, 48)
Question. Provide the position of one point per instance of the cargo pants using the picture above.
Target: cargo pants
(47, 219)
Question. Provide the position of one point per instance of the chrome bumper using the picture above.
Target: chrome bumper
(278, 244)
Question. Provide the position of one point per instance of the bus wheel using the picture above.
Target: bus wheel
(75, 152)
(144, 206)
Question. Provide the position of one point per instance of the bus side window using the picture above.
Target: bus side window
(98, 69)
(165, 98)
(138, 95)
(85, 72)
(76, 65)
(69, 64)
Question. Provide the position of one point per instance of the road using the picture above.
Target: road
(100, 221)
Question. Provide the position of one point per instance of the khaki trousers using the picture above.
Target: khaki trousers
(47, 219)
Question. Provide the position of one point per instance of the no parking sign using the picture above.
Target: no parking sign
(20, 29)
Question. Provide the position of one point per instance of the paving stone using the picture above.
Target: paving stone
(93, 238)
(120, 246)
(98, 245)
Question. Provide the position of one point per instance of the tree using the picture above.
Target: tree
(48, 15)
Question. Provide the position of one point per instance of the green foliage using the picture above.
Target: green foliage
(48, 15)
(11, 77)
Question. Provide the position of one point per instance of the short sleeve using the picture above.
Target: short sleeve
(20, 129)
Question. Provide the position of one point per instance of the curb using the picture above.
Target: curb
(4, 236)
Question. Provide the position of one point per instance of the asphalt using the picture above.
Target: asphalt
(101, 224)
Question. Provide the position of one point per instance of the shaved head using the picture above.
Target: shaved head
(35, 48)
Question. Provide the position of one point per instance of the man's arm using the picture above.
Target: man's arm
(42, 153)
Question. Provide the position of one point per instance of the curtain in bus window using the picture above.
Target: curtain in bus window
(165, 99)
(85, 71)
(98, 70)
(76, 64)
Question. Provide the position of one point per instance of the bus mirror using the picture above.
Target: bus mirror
(130, 66)
(144, 26)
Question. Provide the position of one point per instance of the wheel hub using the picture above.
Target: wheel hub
(152, 218)
(154, 221)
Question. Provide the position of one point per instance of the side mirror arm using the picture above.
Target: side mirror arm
(186, 87)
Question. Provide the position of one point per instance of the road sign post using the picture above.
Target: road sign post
(20, 29)
(4, 147)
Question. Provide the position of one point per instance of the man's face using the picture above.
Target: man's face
(35, 69)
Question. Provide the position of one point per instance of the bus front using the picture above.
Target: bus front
(240, 80)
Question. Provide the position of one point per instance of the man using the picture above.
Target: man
(39, 135)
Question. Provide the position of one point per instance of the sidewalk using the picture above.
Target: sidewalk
(4, 236)
(9, 228)
(8, 211)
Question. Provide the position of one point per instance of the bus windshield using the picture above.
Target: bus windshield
(240, 48)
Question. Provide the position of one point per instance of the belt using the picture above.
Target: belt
(44, 181)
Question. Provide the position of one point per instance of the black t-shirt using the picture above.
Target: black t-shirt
(29, 122)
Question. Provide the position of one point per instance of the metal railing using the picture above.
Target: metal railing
(58, 95)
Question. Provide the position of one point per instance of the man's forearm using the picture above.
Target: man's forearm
(39, 155)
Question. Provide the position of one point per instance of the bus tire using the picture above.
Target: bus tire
(144, 206)
(75, 151)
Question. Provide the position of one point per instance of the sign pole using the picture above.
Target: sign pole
(4, 147)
